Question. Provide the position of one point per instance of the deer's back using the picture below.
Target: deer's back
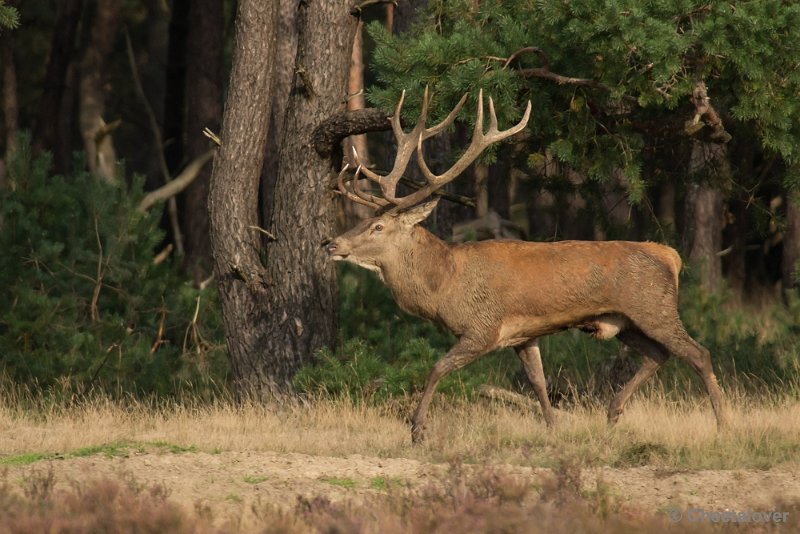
(560, 284)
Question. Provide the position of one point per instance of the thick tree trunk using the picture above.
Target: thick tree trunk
(233, 202)
(97, 140)
(203, 110)
(303, 299)
(45, 134)
(705, 199)
(286, 55)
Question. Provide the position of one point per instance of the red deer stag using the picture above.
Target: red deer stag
(506, 293)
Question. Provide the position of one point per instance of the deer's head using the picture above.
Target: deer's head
(376, 240)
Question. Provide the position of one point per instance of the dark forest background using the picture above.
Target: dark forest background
(673, 120)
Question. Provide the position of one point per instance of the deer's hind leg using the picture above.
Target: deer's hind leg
(531, 358)
(653, 356)
(677, 342)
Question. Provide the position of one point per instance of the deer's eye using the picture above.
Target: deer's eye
(378, 227)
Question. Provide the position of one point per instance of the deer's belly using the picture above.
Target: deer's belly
(516, 330)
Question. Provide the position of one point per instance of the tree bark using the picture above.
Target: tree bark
(97, 140)
(303, 300)
(233, 202)
(791, 243)
(709, 167)
(283, 74)
(45, 134)
(203, 110)
(10, 100)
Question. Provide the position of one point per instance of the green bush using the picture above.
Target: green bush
(83, 305)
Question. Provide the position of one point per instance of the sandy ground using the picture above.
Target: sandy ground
(232, 483)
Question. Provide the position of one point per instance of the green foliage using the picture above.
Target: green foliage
(83, 305)
(9, 16)
(640, 60)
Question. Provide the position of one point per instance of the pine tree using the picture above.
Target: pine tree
(621, 89)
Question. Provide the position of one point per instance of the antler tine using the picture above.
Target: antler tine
(368, 197)
(479, 142)
(406, 144)
(492, 117)
(434, 130)
(373, 202)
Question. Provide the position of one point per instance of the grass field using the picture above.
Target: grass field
(488, 466)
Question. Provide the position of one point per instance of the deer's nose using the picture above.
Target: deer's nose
(332, 247)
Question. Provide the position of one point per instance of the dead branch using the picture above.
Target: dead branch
(544, 72)
(706, 113)
(327, 136)
(172, 205)
(176, 185)
(163, 255)
(505, 396)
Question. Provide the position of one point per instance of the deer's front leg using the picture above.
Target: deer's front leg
(464, 352)
(531, 358)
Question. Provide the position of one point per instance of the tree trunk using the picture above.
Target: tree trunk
(791, 243)
(97, 141)
(203, 110)
(303, 299)
(355, 101)
(175, 93)
(281, 85)
(709, 166)
(10, 100)
(233, 202)
(68, 14)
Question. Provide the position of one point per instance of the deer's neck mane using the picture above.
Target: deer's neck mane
(420, 274)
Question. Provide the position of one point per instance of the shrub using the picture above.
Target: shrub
(83, 304)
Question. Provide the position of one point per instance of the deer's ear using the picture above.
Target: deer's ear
(418, 213)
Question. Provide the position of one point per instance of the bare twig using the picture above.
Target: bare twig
(544, 72)
(505, 396)
(163, 255)
(205, 283)
(172, 205)
(160, 335)
(211, 135)
(529, 50)
(265, 232)
(98, 281)
(178, 184)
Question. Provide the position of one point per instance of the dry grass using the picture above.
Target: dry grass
(654, 430)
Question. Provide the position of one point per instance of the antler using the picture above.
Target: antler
(408, 142)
